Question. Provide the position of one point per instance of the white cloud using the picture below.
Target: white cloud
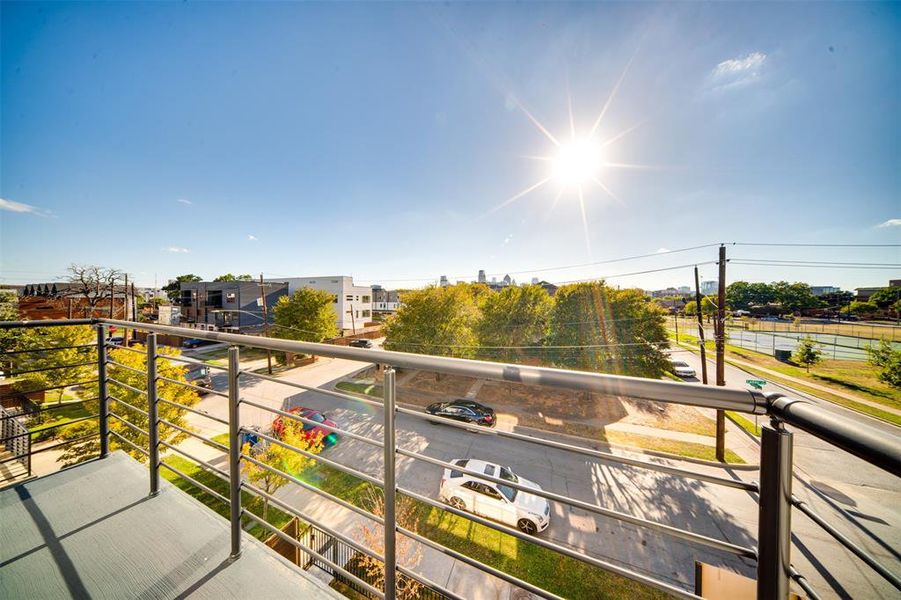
(184, 201)
(177, 250)
(20, 207)
(737, 72)
(251, 237)
(662, 250)
(891, 223)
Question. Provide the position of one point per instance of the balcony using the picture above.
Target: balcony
(642, 536)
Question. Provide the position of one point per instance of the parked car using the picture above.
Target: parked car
(195, 343)
(329, 437)
(468, 411)
(682, 369)
(116, 340)
(361, 343)
(513, 507)
(199, 376)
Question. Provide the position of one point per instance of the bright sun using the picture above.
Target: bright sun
(576, 162)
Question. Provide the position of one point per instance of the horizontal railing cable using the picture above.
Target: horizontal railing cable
(48, 428)
(803, 583)
(847, 543)
(296, 417)
(202, 464)
(57, 367)
(128, 424)
(48, 349)
(194, 482)
(196, 388)
(48, 388)
(209, 441)
(604, 456)
(129, 443)
(126, 386)
(429, 583)
(119, 365)
(49, 408)
(126, 348)
(53, 447)
(140, 411)
(196, 411)
(191, 361)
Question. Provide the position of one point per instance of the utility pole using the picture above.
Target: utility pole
(112, 295)
(265, 321)
(676, 321)
(700, 327)
(125, 311)
(721, 354)
(134, 306)
(353, 323)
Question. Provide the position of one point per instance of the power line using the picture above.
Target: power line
(818, 262)
(816, 245)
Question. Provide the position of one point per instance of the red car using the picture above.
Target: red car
(310, 431)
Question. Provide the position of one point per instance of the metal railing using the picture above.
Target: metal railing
(772, 554)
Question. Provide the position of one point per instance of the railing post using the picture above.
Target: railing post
(390, 486)
(103, 410)
(234, 450)
(774, 523)
(153, 422)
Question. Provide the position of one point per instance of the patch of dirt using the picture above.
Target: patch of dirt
(448, 385)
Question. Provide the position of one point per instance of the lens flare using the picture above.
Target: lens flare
(576, 163)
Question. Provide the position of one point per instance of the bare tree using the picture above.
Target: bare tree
(372, 536)
(91, 282)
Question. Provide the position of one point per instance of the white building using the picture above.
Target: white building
(353, 303)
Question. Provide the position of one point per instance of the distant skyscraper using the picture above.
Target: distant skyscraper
(482, 278)
(534, 281)
(444, 282)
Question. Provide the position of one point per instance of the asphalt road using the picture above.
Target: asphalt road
(715, 511)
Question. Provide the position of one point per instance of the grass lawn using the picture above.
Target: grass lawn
(645, 442)
(545, 568)
(219, 356)
(277, 517)
(743, 422)
(67, 411)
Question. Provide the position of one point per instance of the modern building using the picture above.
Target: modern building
(821, 290)
(353, 303)
(710, 287)
(384, 301)
(482, 278)
(443, 282)
(228, 304)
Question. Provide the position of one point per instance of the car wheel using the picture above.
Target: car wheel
(457, 503)
(527, 526)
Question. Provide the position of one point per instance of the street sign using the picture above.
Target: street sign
(756, 383)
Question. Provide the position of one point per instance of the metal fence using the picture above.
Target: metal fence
(772, 554)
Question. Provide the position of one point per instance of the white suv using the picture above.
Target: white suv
(528, 512)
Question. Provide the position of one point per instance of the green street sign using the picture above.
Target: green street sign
(756, 383)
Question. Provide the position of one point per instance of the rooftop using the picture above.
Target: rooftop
(92, 531)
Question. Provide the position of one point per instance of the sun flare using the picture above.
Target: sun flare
(577, 162)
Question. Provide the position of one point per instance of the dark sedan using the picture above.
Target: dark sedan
(464, 410)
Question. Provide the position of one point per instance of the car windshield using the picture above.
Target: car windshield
(508, 492)
(508, 475)
(679, 363)
(313, 417)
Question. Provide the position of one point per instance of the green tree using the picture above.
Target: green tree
(173, 288)
(707, 307)
(794, 296)
(45, 364)
(280, 458)
(887, 359)
(9, 311)
(886, 297)
(230, 277)
(435, 320)
(597, 328)
(807, 353)
(307, 315)
(514, 316)
(83, 450)
(863, 308)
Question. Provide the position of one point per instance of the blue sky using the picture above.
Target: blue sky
(375, 140)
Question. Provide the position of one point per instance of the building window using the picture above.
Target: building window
(230, 296)
(336, 299)
(366, 299)
(366, 314)
(350, 297)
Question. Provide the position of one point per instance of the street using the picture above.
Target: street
(715, 511)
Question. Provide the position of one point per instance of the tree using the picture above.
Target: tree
(71, 359)
(597, 328)
(91, 282)
(173, 288)
(807, 353)
(885, 297)
(887, 359)
(230, 277)
(707, 307)
(794, 296)
(435, 320)
(863, 308)
(9, 311)
(307, 315)
(280, 458)
(407, 551)
(81, 451)
(514, 316)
